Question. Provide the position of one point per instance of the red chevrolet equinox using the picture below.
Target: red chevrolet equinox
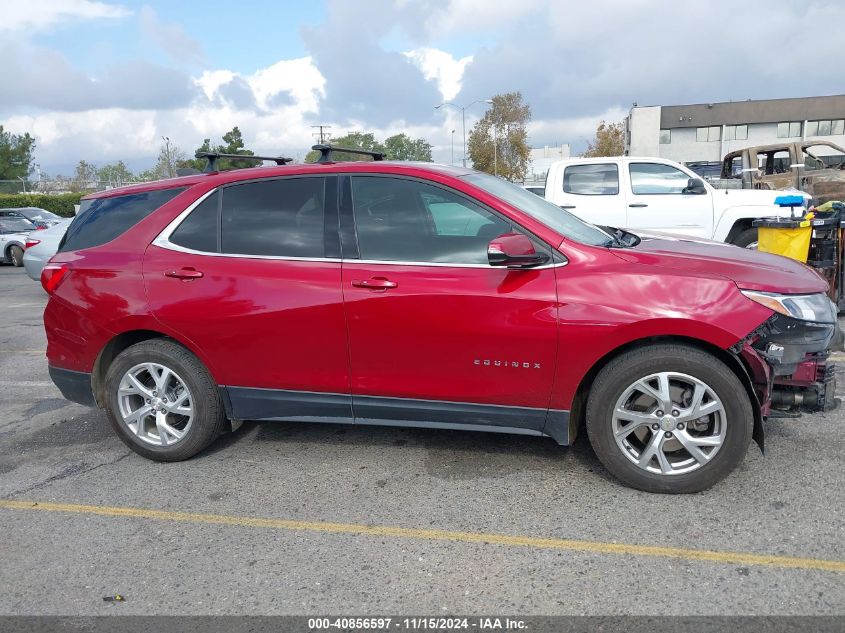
(424, 295)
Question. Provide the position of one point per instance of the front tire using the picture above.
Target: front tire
(162, 402)
(669, 419)
(16, 255)
(746, 239)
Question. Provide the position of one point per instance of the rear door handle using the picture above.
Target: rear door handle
(185, 274)
(566, 206)
(638, 205)
(375, 283)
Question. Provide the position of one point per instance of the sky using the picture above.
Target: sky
(104, 81)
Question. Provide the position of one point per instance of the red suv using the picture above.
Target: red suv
(423, 295)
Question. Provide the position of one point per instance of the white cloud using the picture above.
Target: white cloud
(38, 15)
(442, 67)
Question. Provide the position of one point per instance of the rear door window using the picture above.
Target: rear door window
(591, 180)
(104, 219)
(276, 218)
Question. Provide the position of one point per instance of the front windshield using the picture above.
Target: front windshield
(540, 209)
(16, 225)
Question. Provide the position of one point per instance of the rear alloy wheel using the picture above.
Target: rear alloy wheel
(669, 418)
(16, 255)
(162, 401)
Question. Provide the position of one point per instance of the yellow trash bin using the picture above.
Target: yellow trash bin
(790, 238)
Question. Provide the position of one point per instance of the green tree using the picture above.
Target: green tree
(170, 157)
(15, 158)
(498, 143)
(609, 141)
(396, 147)
(353, 140)
(115, 175)
(403, 147)
(84, 177)
(233, 143)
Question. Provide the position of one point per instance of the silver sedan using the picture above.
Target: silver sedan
(41, 246)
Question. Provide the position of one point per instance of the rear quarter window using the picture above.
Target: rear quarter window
(104, 219)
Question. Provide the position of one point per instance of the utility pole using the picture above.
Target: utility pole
(322, 132)
(463, 119)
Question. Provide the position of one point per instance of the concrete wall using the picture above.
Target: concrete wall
(643, 131)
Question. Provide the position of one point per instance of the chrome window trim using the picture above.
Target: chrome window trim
(162, 240)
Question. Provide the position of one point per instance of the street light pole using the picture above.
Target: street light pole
(453, 148)
(463, 110)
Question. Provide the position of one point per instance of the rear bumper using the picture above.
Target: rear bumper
(74, 385)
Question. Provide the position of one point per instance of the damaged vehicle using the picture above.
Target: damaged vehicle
(814, 167)
(432, 296)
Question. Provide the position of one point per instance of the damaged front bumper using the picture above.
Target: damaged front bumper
(787, 361)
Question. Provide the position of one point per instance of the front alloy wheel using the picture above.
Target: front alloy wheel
(669, 417)
(669, 423)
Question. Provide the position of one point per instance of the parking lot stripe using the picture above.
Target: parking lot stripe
(596, 547)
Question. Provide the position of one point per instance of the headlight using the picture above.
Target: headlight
(817, 307)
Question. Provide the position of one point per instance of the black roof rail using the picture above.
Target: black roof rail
(326, 150)
(212, 158)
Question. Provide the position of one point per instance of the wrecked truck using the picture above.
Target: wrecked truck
(814, 167)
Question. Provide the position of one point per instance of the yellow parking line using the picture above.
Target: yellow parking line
(596, 547)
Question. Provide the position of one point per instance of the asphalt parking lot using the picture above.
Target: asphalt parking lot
(323, 519)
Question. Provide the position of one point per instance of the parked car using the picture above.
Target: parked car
(537, 190)
(41, 246)
(656, 194)
(41, 218)
(423, 295)
(13, 233)
(816, 167)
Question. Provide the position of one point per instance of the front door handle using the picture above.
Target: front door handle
(374, 283)
(185, 274)
(638, 205)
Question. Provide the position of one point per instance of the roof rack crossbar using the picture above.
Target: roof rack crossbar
(326, 150)
(212, 157)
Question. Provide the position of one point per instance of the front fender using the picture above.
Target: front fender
(728, 218)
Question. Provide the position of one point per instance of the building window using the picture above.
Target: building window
(826, 128)
(705, 134)
(789, 129)
(736, 132)
(665, 137)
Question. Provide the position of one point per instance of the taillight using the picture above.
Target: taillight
(30, 243)
(52, 275)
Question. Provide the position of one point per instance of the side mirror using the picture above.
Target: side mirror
(695, 186)
(514, 250)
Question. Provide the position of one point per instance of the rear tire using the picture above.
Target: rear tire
(162, 401)
(16, 255)
(746, 239)
(646, 447)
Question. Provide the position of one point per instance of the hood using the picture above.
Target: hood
(756, 198)
(749, 269)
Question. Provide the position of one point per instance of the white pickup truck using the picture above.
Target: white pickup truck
(658, 195)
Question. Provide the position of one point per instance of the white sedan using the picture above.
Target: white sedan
(41, 246)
